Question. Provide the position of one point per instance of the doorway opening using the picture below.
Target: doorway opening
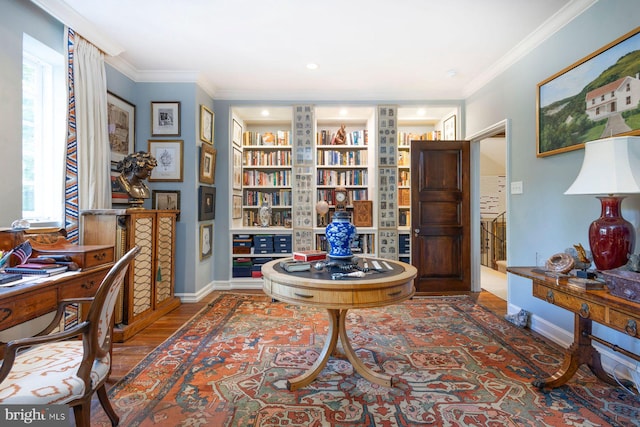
(489, 206)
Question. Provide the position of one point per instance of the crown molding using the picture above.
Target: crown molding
(548, 28)
(68, 16)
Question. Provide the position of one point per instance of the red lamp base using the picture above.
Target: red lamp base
(611, 237)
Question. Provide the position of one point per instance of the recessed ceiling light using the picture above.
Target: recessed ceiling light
(452, 73)
(421, 112)
(312, 66)
(265, 113)
(343, 112)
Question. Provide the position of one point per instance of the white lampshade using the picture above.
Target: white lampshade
(610, 166)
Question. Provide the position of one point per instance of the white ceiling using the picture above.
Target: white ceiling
(365, 49)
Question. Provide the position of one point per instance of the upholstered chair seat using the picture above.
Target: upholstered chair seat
(59, 368)
(48, 374)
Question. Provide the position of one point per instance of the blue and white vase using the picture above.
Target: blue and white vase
(340, 235)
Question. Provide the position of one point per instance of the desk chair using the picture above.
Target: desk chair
(52, 369)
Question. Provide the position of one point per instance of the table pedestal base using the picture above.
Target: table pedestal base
(580, 352)
(337, 327)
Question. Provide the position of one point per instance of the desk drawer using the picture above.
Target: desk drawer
(624, 322)
(310, 296)
(19, 310)
(383, 296)
(557, 296)
(84, 286)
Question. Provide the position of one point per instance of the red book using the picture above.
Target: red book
(312, 255)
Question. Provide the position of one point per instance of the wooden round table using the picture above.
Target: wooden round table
(392, 284)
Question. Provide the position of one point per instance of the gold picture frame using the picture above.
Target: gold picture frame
(207, 118)
(208, 156)
(169, 157)
(362, 213)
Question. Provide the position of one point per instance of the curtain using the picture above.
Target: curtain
(87, 183)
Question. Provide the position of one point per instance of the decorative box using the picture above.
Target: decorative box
(623, 283)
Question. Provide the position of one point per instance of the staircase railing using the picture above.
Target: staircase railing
(493, 241)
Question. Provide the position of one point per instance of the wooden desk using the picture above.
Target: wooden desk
(588, 306)
(26, 301)
(338, 296)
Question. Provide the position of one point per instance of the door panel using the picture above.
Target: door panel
(440, 207)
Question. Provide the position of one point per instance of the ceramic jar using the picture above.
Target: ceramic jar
(264, 215)
(340, 234)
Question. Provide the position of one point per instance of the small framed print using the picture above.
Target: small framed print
(165, 118)
(237, 133)
(237, 207)
(169, 157)
(363, 213)
(121, 125)
(206, 239)
(449, 129)
(207, 164)
(207, 202)
(237, 169)
(206, 124)
(166, 200)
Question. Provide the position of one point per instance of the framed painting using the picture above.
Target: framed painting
(207, 203)
(206, 239)
(165, 199)
(207, 164)
(121, 125)
(237, 133)
(594, 98)
(237, 169)
(449, 128)
(362, 213)
(169, 157)
(206, 124)
(165, 118)
(237, 207)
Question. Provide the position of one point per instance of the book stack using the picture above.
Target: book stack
(40, 266)
(310, 255)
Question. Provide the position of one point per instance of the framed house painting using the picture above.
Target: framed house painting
(207, 164)
(207, 203)
(594, 98)
(206, 240)
(165, 118)
(169, 157)
(206, 124)
(121, 125)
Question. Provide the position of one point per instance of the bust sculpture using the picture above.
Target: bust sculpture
(134, 169)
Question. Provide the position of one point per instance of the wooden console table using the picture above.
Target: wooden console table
(338, 296)
(588, 306)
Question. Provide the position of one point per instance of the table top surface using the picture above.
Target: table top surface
(390, 274)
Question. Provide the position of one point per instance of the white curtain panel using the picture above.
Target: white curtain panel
(94, 188)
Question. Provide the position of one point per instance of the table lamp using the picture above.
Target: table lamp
(611, 169)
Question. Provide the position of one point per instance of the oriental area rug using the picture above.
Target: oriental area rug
(455, 363)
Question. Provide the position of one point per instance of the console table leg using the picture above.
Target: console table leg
(580, 352)
(358, 366)
(329, 346)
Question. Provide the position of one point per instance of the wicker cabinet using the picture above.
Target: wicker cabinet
(148, 291)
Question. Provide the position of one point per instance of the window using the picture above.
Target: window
(43, 133)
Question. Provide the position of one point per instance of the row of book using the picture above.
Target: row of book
(281, 137)
(347, 177)
(341, 158)
(40, 266)
(260, 178)
(356, 137)
(277, 198)
(328, 195)
(270, 158)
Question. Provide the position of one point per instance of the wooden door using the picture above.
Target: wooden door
(440, 216)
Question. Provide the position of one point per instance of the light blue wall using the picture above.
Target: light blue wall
(542, 220)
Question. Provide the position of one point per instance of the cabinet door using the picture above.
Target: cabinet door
(140, 290)
(165, 262)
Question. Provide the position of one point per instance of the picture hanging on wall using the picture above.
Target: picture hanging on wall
(206, 240)
(206, 124)
(121, 125)
(169, 157)
(596, 97)
(165, 118)
(207, 203)
(207, 164)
